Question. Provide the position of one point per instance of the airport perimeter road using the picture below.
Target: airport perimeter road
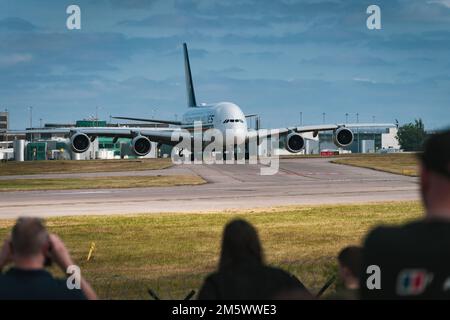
(299, 182)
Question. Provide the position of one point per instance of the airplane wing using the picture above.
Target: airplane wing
(159, 135)
(262, 133)
(178, 123)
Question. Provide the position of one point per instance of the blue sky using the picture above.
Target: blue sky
(274, 58)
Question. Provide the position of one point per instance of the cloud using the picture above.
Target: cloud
(364, 80)
(431, 41)
(132, 4)
(13, 59)
(89, 52)
(194, 21)
(445, 3)
(16, 24)
(347, 60)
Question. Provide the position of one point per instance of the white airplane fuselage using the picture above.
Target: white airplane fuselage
(225, 117)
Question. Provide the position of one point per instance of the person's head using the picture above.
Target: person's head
(240, 245)
(29, 242)
(350, 260)
(435, 175)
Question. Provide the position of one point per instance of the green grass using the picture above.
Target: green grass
(172, 253)
(99, 183)
(398, 163)
(68, 166)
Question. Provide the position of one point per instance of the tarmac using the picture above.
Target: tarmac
(229, 187)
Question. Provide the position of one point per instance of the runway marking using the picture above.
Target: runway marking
(305, 175)
(85, 192)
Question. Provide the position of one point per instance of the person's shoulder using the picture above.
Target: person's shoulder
(389, 235)
(43, 286)
(213, 277)
(282, 274)
(411, 231)
(210, 287)
(287, 281)
(3, 279)
(63, 291)
(277, 271)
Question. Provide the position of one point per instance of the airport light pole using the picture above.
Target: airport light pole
(96, 116)
(301, 118)
(323, 117)
(96, 124)
(373, 121)
(31, 117)
(346, 118)
(357, 132)
(31, 122)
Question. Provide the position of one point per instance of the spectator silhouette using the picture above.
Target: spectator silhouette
(413, 261)
(30, 248)
(242, 273)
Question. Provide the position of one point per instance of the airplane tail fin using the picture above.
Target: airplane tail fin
(189, 84)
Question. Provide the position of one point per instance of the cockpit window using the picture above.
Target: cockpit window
(233, 120)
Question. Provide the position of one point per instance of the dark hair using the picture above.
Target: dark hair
(240, 245)
(28, 236)
(351, 258)
(436, 154)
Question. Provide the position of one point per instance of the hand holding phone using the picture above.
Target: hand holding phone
(59, 253)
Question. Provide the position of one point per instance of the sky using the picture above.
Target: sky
(276, 58)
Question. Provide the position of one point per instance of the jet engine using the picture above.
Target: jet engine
(343, 137)
(141, 146)
(295, 142)
(80, 142)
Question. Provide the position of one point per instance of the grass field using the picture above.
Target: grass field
(399, 163)
(172, 253)
(99, 183)
(67, 166)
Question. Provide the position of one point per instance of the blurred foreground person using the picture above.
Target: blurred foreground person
(349, 264)
(242, 273)
(29, 249)
(413, 261)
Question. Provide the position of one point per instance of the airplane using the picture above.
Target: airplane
(227, 117)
